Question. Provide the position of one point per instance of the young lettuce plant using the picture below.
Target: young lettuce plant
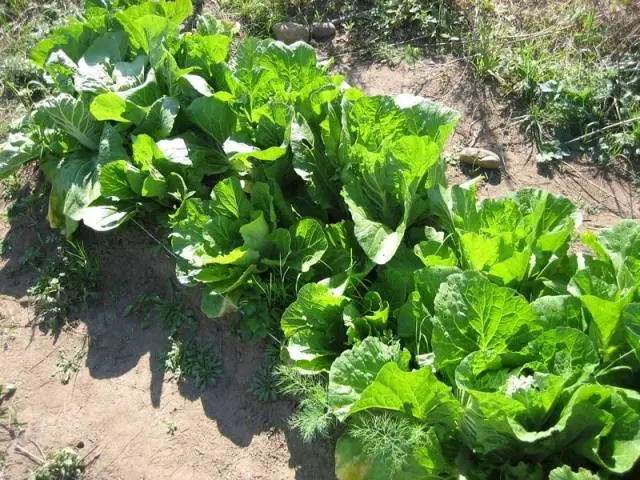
(234, 237)
(608, 288)
(375, 155)
(519, 241)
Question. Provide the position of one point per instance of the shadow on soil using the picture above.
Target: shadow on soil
(131, 264)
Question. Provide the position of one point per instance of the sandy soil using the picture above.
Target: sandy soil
(118, 405)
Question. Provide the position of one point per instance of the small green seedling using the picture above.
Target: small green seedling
(172, 428)
(65, 367)
(265, 384)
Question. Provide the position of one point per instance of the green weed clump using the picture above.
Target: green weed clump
(195, 362)
(186, 358)
(22, 24)
(64, 284)
(63, 464)
(574, 69)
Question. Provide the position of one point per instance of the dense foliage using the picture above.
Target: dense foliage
(450, 336)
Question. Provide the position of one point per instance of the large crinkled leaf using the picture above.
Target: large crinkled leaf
(608, 283)
(354, 370)
(18, 149)
(272, 71)
(230, 200)
(148, 33)
(93, 68)
(517, 240)
(606, 322)
(599, 422)
(566, 352)
(313, 328)
(73, 39)
(418, 393)
(471, 314)
(615, 243)
(619, 247)
(72, 116)
(308, 244)
(75, 180)
(120, 180)
(160, 118)
(425, 117)
(204, 53)
(111, 106)
(558, 311)
(312, 164)
(214, 116)
(427, 282)
(605, 423)
(176, 10)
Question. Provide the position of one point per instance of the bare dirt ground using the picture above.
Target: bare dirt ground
(119, 405)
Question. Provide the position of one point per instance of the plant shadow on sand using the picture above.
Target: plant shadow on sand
(130, 264)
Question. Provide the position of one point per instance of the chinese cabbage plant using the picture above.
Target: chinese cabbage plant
(447, 336)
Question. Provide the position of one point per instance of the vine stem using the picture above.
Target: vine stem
(150, 235)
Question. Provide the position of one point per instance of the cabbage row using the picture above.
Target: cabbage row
(465, 335)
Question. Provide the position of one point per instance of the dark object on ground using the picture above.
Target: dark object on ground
(323, 30)
(290, 32)
(479, 157)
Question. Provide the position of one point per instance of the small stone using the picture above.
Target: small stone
(479, 157)
(290, 32)
(323, 30)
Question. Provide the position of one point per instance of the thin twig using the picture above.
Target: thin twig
(121, 451)
(44, 358)
(600, 130)
(39, 449)
(29, 455)
(586, 179)
(164, 247)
